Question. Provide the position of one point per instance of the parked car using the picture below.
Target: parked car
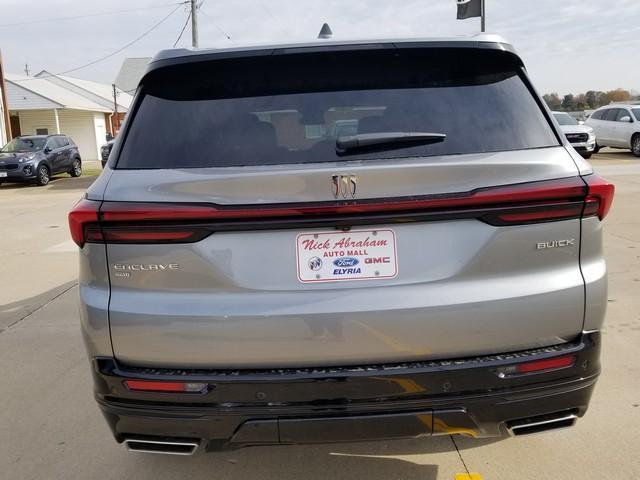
(580, 136)
(36, 158)
(105, 150)
(359, 241)
(617, 126)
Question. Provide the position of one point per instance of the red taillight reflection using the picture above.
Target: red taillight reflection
(153, 235)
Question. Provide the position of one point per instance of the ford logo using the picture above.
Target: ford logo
(346, 262)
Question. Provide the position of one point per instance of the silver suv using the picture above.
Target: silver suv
(339, 242)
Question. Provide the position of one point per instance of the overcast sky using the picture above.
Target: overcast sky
(567, 45)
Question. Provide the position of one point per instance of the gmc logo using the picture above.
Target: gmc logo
(377, 260)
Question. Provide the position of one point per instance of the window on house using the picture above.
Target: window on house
(42, 131)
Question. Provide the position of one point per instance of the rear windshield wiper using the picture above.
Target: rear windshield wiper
(384, 141)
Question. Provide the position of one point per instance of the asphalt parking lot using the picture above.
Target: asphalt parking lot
(51, 427)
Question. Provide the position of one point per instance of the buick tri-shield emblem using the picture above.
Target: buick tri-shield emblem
(344, 186)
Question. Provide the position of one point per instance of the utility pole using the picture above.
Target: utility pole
(115, 110)
(26, 69)
(194, 23)
(4, 104)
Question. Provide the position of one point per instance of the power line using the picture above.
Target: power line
(183, 29)
(126, 46)
(75, 17)
(264, 7)
(112, 53)
(227, 36)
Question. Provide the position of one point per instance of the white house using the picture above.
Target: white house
(130, 73)
(3, 127)
(47, 104)
(100, 93)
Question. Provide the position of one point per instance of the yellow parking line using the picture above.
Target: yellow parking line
(468, 476)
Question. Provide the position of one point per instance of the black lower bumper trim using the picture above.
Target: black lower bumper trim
(465, 396)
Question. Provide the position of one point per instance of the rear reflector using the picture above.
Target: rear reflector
(524, 203)
(548, 364)
(175, 387)
(545, 365)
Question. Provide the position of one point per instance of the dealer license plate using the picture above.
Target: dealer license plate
(353, 255)
(3, 174)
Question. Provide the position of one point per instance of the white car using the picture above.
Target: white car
(581, 137)
(617, 126)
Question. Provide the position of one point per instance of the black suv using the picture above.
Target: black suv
(38, 157)
(105, 150)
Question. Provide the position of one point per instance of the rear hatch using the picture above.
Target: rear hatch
(249, 224)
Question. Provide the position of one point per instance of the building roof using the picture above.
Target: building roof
(102, 90)
(130, 73)
(22, 91)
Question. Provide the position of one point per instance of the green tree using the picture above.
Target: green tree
(568, 102)
(591, 99)
(552, 100)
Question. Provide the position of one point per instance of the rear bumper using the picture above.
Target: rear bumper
(244, 408)
(586, 147)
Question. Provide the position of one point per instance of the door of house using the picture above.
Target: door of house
(14, 121)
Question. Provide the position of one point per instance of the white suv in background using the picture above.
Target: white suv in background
(617, 126)
(581, 137)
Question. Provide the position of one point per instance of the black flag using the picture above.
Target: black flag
(469, 8)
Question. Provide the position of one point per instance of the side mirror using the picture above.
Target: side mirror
(580, 122)
(626, 118)
(47, 149)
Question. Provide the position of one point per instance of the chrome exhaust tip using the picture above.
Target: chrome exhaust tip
(541, 424)
(162, 446)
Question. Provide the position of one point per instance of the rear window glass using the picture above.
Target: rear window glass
(292, 110)
(636, 113)
(565, 119)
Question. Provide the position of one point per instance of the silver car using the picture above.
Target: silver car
(617, 126)
(340, 241)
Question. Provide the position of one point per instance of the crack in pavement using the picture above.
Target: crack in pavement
(40, 307)
(464, 464)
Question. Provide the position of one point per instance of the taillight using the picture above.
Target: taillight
(538, 366)
(172, 387)
(524, 203)
(85, 212)
(599, 196)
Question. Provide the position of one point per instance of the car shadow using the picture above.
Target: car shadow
(56, 183)
(80, 183)
(405, 459)
(619, 154)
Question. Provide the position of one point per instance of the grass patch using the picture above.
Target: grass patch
(91, 171)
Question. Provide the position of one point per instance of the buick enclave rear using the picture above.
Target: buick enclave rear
(340, 241)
